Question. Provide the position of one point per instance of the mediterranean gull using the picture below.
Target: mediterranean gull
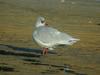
(49, 38)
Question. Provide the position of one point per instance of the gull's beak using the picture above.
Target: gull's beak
(46, 24)
(43, 22)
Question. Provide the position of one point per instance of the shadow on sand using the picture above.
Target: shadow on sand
(20, 51)
(28, 53)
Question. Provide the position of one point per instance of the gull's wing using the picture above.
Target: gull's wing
(51, 36)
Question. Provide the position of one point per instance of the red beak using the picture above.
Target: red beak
(46, 24)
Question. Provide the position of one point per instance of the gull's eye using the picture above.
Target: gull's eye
(42, 21)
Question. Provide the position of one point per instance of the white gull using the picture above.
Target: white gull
(49, 38)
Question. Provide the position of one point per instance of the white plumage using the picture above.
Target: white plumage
(48, 37)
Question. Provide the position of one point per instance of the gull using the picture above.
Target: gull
(49, 38)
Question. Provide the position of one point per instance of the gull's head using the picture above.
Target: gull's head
(40, 21)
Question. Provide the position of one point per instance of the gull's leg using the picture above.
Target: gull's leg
(45, 51)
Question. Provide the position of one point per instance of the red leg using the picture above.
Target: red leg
(45, 51)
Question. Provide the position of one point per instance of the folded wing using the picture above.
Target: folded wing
(51, 36)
